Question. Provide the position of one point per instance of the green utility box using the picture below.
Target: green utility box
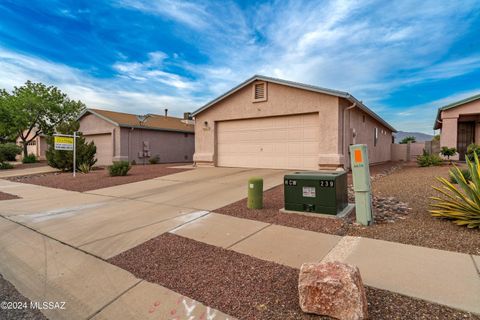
(316, 191)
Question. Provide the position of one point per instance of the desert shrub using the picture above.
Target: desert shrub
(408, 139)
(427, 160)
(9, 151)
(119, 168)
(460, 203)
(62, 159)
(448, 152)
(84, 167)
(471, 150)
(5, 166)
(465, 172)
(31, 158)
(154, 160)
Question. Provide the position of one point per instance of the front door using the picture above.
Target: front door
(466, 136)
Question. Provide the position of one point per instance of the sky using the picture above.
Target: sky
(403, 59)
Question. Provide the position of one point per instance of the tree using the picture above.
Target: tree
(63, 159)
(448, 152)
(408, 139)
(34, 109)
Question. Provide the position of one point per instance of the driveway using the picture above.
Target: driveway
(108, 221)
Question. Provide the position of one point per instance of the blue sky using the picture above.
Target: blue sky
(404, 59)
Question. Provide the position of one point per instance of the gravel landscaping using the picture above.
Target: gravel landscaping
(98, 178)
(7, 196)
(249, 288)
(8, 293)
(401, 203)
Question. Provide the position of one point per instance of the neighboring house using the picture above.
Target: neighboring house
(272, 123)
(37, 146)
(123, 136)
(459, 125)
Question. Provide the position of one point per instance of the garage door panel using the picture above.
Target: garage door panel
(104, 145)
(287, 142)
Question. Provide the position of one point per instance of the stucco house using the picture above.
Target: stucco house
(124, 136)
(272, 123)
(38, 146)
(459, 125)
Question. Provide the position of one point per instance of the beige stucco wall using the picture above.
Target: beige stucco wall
(38, 147)
(98, 130)
(285, 100)
(169, 146)
(357, 131)
(450, 117)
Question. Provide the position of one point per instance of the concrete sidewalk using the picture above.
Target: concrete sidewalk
(45, 270)
(26, 171)
(438, 276)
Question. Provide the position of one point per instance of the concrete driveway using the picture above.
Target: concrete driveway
(108, 221)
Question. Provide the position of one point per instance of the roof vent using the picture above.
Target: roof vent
(260, 91)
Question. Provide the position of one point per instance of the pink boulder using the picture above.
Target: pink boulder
(333, 289)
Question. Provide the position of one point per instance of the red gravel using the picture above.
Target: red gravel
(246, 287)
(410, 184)
(7, 196)
(98, 178)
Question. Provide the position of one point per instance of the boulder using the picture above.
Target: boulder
(333, 289)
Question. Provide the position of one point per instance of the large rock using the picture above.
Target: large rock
(334, 289)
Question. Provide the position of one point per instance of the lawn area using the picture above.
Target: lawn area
(98, 178)
(406, 187)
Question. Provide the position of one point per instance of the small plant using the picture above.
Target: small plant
(460, 204)
(31, 158)
(5, 166)
(427, 160)
(134, 163)
(465, 173)
(448, 152)
(471, 150)
(154, 160)
(119, 168)
(408, 139)
(9, 151)
(85, 167)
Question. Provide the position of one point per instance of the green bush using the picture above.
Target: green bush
(31, 158)
(9, 151)
(119, 168)
(84, 167)
(427, 160)
(154, 160)
(5, 166)
(62, 159)
(472, 149)
(460, 203)
(465, 173)
(408, 139)
(448, 152)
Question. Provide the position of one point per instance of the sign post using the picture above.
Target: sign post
(67, 142)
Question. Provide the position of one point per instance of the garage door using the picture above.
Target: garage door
(104, 145)
(287, 142)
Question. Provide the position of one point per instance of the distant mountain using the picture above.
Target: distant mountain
(418, 135)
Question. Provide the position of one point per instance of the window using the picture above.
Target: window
(260, 91)
(375, 136)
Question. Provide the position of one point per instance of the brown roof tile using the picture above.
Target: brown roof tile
(154, 122)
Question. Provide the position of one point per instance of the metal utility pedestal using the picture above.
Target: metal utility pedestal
(361, 183)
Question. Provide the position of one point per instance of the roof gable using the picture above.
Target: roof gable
(337, 93)
(153, 122)
(452, 105)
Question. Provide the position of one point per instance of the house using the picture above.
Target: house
(459, 125)
(272, 123)
(124, 136)
(38, 146)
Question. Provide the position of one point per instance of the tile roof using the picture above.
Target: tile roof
(153, 122)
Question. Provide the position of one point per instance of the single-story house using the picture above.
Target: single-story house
(124, 136)
(38, 146)
(272, 123)
(459, 125)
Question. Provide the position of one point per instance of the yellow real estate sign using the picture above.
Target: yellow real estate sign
(63, 143)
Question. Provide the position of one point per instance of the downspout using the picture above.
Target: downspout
(346, 134)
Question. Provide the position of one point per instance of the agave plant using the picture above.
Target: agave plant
(460, 203)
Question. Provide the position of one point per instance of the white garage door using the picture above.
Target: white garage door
(104, 145)
(286, 142)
